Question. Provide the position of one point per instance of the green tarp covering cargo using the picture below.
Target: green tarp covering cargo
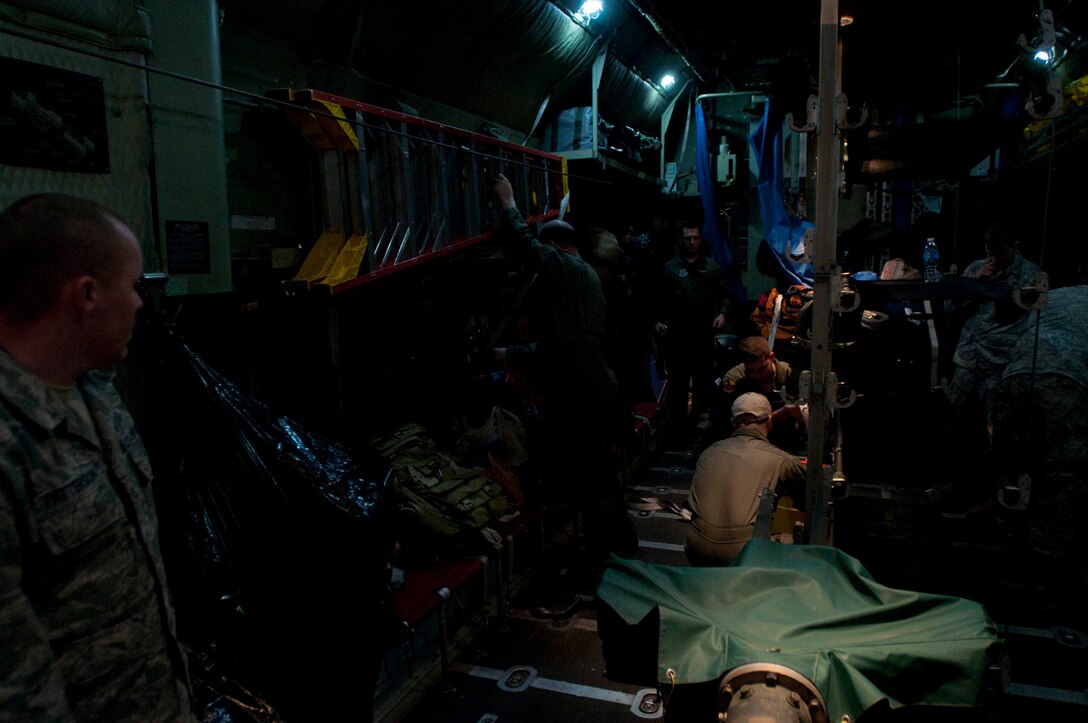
(814, 610)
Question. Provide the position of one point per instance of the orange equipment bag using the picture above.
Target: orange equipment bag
(793, 299)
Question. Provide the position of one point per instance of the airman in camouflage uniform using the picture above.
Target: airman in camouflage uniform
(86, 624)
(988, 335)
(1045, 394)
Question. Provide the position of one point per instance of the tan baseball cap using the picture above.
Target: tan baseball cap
(751, 403)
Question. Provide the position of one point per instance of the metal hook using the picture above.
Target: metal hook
(842, 107)
(1040, 286)
(807, 239)
(1046, 22)
(1016, 497)
(1057, 107)
(804, 388)
(837, 284)
(811, 107)
(833, 399)
(1045, 44)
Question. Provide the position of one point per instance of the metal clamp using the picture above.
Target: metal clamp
(811, 107)
(838, 283)
(1016, 497)
(1054, 85)
(1034, 296)
(1046, 23)
(833, 400)
(804, 387)
(788, 398)
(1057, 107)
(804, 390)
(842, 107)
(807, 240)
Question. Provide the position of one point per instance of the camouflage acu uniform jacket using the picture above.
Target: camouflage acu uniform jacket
(1061, 346)
(986, 337)
(86, 626)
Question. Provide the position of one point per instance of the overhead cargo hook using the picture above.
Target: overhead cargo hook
(1046, 42)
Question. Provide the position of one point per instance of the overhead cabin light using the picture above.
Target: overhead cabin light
(1043, 56)
(846, 20)
(667, 80)
(590, 10)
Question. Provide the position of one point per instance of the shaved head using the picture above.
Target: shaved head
(558, 232)
(48, 239)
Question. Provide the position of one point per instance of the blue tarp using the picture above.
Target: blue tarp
(720, 247)
(782, 232)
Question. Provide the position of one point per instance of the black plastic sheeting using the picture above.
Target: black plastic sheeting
(276, 542)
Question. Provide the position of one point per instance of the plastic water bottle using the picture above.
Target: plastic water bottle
(931, 257)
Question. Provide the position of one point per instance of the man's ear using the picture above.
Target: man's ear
(83, 293)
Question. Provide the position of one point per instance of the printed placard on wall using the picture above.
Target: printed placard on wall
(52, 118)
(188, 247)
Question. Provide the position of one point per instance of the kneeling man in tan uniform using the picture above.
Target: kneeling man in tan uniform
(729, 477)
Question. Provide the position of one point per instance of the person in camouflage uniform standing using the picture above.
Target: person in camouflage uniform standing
(1041, 430)
(86, 623)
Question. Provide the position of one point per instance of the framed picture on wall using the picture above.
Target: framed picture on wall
(52, 118)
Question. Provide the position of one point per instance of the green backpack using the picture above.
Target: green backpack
(448, 497)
